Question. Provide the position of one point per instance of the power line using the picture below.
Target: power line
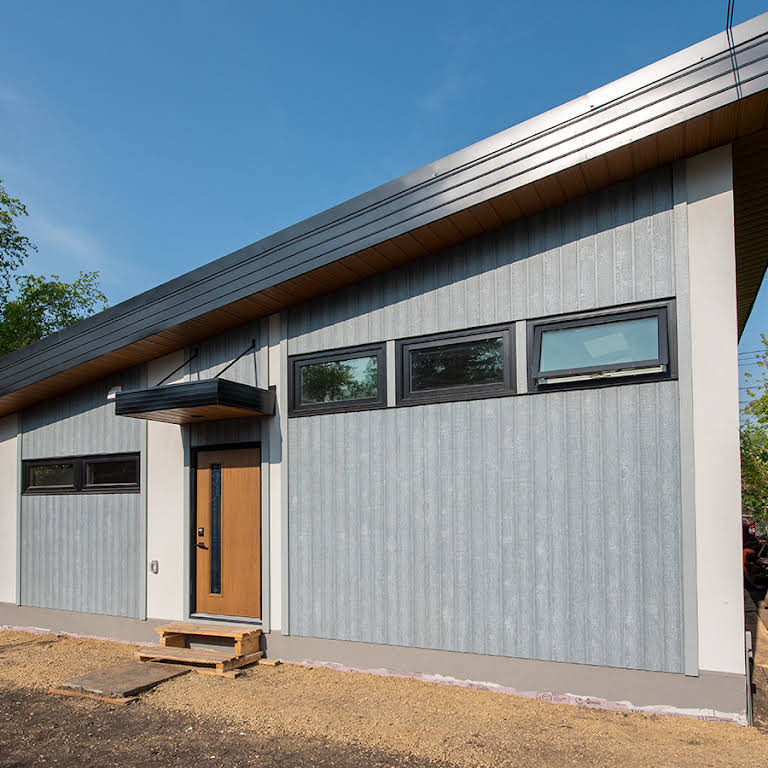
(731, 45)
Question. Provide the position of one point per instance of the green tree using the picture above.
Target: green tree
(14, 247)
(754, 439)
(754, 470)
(42, 305)
(31, 306)
(757, 385)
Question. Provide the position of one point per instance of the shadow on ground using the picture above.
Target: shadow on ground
(42, 729)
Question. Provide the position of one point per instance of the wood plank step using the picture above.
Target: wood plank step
(201, 657)
(174, 640)
(232, 674)
(121, 702)
(207, 630)
(123, 680)
(187, 655)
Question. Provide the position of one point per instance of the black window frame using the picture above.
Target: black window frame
(297, 362)
(406, 396)
(667, 357)
(79, 485)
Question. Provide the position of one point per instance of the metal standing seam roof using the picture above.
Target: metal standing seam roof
(673, 91)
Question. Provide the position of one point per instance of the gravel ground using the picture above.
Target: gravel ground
(390, 719)
(760, 699)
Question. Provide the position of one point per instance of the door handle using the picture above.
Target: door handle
(201, 545)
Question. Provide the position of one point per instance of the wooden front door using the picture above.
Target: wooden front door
(228, 532)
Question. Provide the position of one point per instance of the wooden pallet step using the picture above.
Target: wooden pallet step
(222, 661)
(232, 674)
(206, 630)
(174, 640)
(178, 633)
(187, 655)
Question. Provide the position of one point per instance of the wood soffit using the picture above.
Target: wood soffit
(195, 415)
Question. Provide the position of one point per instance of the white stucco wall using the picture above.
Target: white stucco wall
(9, 492)
(166, 534)
(715, 400)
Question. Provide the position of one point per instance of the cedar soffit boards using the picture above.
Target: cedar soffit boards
(677, 107)
(750, 208)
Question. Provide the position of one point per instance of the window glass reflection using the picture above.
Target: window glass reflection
(339, 380)
(603, 344)
(464, 364)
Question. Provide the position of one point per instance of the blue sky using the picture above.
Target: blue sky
(148, 138)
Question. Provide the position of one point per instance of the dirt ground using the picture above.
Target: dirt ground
(43, 730)
(760, 699)
(293, 715)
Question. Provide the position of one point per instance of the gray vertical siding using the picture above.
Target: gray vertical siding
(82, 421)
(83, 553)
(543, 527)
(226, 432)
(608, 248)
(213, 355)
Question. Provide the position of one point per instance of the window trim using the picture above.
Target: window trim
(404, 394)
(667, 357)
(79, 486)
(297, 362)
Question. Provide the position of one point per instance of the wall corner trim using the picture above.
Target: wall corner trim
(687, 467)
(712, 386)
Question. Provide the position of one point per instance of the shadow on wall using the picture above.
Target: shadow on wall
(82, 421)
(610, 247)
(214, 355)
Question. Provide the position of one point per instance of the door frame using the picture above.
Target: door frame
(192, 534)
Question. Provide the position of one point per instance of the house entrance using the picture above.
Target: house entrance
(228, 533)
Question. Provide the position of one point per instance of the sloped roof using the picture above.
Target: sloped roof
(704, 96)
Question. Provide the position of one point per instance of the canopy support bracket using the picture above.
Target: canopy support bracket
(175, 370)
(242, 354)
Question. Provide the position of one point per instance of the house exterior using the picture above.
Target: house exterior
(480, 422)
